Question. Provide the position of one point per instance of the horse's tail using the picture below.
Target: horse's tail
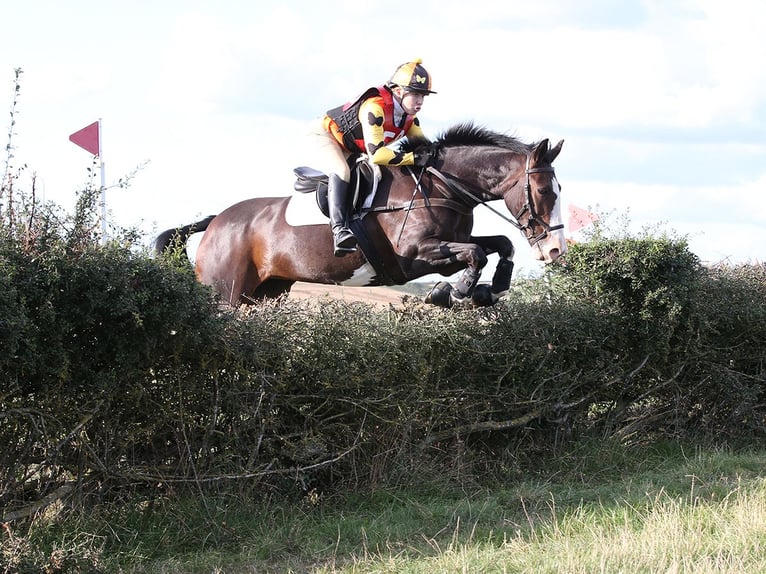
(179, 235)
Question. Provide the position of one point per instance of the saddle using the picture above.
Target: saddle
(364, 181)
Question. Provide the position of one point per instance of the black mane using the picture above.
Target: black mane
(468, 134)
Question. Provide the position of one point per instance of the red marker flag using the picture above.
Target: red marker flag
(87, 138)
(579, 218)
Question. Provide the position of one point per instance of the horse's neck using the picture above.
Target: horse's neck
(451, 187)
(480, 182)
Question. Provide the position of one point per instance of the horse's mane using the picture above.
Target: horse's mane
(468, 134)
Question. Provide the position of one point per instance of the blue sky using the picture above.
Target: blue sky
(661, 103)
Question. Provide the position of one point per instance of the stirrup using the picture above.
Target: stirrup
(345, 242)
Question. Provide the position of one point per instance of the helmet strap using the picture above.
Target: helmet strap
(399, 113)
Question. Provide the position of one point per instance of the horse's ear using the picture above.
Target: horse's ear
(554, 152)
(540, 150)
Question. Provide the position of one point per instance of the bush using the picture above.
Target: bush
(686, 326)
(649, 280)
(127, 376)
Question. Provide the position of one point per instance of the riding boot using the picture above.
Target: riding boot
(337, 202)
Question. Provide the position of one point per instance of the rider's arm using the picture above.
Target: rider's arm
(371, 116)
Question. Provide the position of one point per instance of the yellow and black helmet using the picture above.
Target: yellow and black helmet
(412, 76)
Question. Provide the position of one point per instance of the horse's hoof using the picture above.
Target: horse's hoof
(458, 300)
(482, 296)
(439, 295)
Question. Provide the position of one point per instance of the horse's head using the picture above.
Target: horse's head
(538, 210)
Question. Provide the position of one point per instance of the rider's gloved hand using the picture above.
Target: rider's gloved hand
(424, 156)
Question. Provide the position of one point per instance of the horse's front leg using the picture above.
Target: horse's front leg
(501, 280)
(447, 253)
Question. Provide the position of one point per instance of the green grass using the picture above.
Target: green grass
(599, 508)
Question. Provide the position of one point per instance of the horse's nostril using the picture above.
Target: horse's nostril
(554, 254)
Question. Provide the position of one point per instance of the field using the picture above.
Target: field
(662, 508)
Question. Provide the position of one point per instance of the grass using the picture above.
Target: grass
(599, 508)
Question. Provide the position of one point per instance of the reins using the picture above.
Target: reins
(428, 201)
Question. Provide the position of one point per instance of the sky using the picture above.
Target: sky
(661, 103)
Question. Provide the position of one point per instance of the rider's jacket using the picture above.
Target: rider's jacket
(367, 125)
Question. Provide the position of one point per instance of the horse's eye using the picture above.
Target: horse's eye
(544, 190)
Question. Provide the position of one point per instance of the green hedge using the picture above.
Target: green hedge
(122, 374)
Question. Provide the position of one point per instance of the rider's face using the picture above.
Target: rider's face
(412, 101)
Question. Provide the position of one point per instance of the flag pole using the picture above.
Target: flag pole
(89, 138)
(103, 183)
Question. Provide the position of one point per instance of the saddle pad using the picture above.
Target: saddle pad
(302, 209)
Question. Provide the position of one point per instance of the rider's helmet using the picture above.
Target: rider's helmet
(413, 76)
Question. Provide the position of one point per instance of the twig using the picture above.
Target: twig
(35, 507)
(482, 426)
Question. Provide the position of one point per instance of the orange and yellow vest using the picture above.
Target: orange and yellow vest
(345, 125)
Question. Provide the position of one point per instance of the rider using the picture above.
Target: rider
(378, 117)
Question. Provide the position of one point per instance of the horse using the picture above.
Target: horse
(418, 222)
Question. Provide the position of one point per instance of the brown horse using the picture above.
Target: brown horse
(419, 222)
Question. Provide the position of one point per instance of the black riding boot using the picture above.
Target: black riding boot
(337, 203)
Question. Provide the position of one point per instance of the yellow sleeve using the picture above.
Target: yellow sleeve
(371, 117)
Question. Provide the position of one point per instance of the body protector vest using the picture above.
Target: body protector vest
(344, 121)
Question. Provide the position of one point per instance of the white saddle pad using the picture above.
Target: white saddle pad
(302, 209)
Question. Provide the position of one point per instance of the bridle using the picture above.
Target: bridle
(534, 218)
(460, 188)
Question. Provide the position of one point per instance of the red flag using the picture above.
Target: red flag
(579, 218)
(87, 138)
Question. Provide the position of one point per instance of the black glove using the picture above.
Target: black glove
(424, 156)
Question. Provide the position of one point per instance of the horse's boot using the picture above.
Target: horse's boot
(337, 203)
(465, 286)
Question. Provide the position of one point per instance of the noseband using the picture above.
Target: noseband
(533, 220)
